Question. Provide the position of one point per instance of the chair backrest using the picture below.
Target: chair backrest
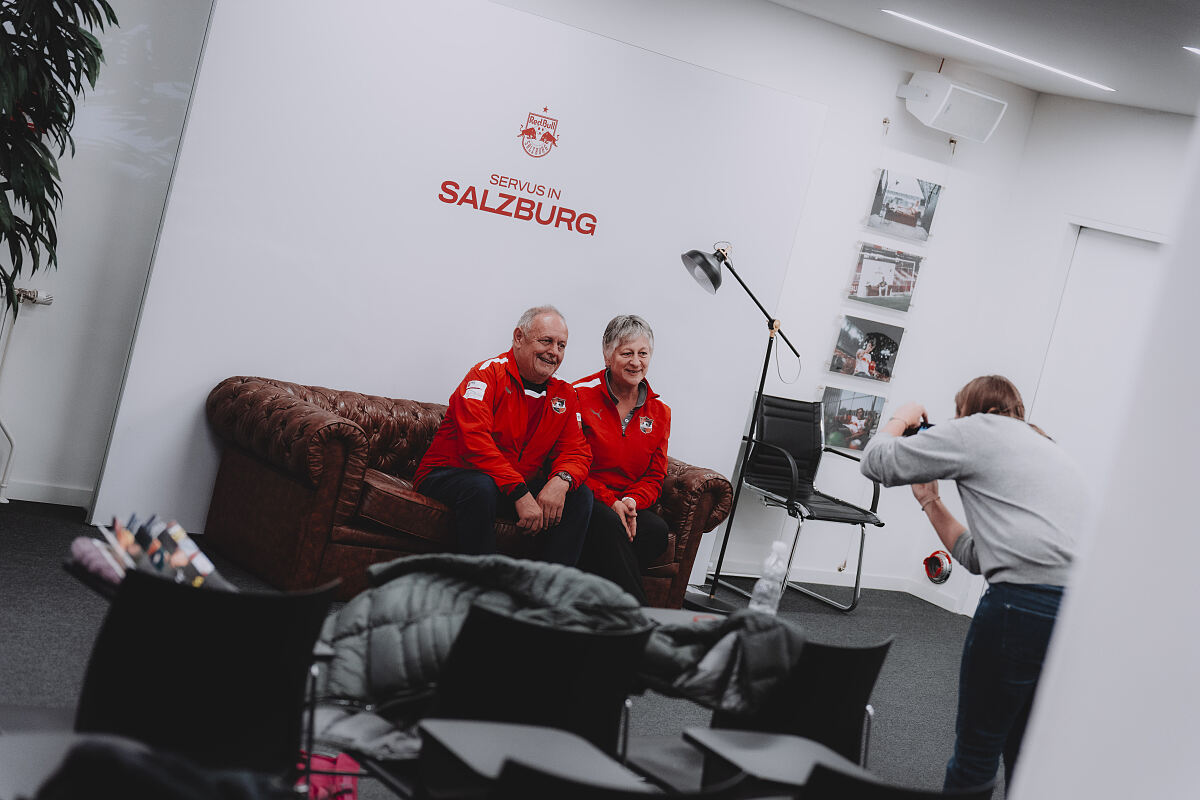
(505, 669)
(794, 425)
(823, 698)
(216, 676)
(520, 781)
(828, 784)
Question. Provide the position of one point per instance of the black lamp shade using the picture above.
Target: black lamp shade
(705, 268)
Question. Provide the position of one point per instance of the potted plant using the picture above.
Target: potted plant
(47, 52)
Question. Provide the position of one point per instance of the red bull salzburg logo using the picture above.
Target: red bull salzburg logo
(539, 134)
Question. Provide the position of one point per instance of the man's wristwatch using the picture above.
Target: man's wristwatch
(566, 476)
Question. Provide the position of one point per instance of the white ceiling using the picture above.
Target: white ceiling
(1134, 47)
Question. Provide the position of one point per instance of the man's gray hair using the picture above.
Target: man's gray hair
(531, 314)
(623, 328)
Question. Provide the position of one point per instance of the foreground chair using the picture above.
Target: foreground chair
(507, 669)
(519, 781)
(824, 698)
(218, 677)
(784, 457)
(830, 784)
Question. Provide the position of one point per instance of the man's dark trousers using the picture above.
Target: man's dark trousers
(476, 501)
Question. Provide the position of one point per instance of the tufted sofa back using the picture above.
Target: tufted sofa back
(398, 431)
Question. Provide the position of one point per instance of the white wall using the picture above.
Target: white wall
(1116, 706)
(63, 373)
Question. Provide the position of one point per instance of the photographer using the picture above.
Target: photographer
(1024, 500)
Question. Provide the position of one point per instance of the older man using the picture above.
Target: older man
(511, 442)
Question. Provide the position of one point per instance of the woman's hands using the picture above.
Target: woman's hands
(626, 509)
(907, 416)
(926, 493)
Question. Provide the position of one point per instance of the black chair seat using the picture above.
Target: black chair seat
(818, 506)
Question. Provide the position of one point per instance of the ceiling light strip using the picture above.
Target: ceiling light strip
(1195, 50)
(995, 49)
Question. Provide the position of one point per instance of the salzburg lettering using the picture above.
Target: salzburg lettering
(522, 208)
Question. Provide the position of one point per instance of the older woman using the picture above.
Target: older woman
(627, 427)
(1024, 500)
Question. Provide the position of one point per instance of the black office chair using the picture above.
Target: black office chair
(506, 669)
(829, 784)
(218, 677)
(785, 454)
(825, 697)
(520, 781)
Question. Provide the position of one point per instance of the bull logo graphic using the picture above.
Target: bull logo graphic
(539, 134)
(646, 424)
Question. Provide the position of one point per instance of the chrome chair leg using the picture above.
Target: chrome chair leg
(862, 541)
(868, 718)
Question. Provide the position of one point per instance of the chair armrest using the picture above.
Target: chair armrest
(875, 491)
(693, 501)
(837, 452)
(791, 462)
(272, 421)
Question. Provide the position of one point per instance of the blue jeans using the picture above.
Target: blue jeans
(1001, 663)
(476, 501)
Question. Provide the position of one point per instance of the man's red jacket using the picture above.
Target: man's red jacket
(488, 428)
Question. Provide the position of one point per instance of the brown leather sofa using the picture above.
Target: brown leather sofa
(316, 483)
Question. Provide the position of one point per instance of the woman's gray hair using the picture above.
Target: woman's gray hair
(533, 313)
(622, 328)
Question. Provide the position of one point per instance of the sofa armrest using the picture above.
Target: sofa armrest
(279, 423)
(694, 500)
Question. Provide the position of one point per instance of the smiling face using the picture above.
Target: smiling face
(539, 351)
(629, 362)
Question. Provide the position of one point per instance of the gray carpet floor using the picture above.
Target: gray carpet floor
(48, 621)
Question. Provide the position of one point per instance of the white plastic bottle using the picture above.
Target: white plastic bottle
(768, 589)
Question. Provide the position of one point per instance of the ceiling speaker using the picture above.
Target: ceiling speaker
(952, 107)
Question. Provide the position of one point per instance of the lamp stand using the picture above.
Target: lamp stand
(710, 602)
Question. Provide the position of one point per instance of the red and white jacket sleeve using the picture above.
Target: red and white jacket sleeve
(471, 408)
(571, 452)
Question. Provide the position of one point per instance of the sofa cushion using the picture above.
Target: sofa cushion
(394, 504)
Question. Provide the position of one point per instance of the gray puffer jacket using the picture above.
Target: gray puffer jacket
(389, 641)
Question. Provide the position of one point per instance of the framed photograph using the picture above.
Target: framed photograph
(904, 206)
(884, 277)
(851, 417)
(866, 349)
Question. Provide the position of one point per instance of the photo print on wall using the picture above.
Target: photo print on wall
(904, 206)
(866, 349)
(884, 277)
(851, 417)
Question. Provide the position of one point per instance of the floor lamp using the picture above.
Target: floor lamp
(706, 269)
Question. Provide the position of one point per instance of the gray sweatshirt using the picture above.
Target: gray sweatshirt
(1024, 498)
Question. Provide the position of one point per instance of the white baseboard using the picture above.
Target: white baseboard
(920, 589)
(75, 496)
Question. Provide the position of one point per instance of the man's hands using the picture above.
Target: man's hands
(546, 510)
(529, 514)
(626, 509)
